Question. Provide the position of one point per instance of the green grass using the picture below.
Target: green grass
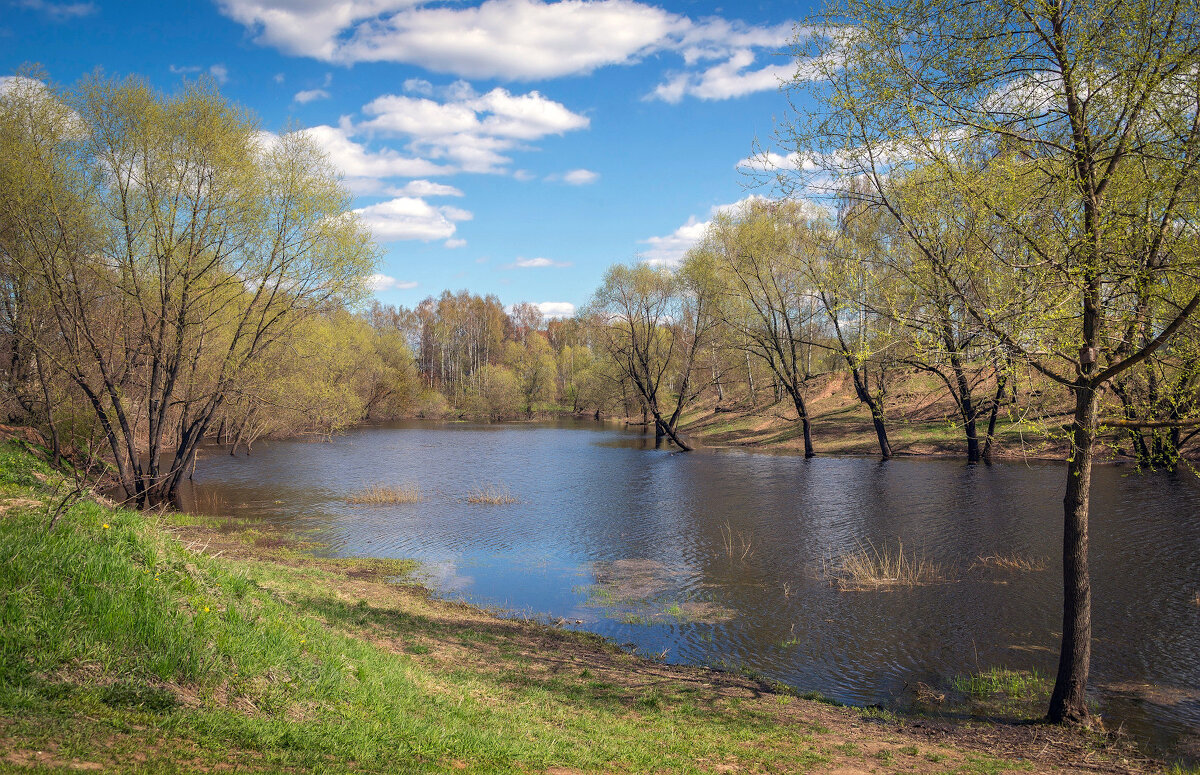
(1013, 684)
(123, 649)
(384, 494)
(118, 644)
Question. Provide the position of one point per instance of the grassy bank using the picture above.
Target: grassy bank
(160, 643)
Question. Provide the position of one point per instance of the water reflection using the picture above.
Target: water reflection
(736, 542)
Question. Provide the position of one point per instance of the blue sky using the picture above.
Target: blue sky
(513, 147)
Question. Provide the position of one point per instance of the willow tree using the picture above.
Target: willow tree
(757, 254)
(653, 323)
(172, 243)
(1074, 129)
(949, 260)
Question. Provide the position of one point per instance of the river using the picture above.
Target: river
(721, 557)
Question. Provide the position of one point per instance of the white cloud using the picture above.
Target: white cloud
(383, 282)
(580, 177)
(769, 161)
(471, 132)
(455, 243)
(355, 161)
(279, 77)
(726, 80)
(506, 39)
(418, 86)
(537, 263)
(218, 71)
(669, 250)
(523, 40)
(308, 95)
(410, 218)
(556, 309)
(59, 11)
(720, 55)
(456, 213)
(424, 188)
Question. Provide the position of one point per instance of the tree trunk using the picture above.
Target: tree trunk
(55, 445)
(750, 379)
(1069, 702)
(806, 426)
(966, 408)
(862, 390)
(1001, 383)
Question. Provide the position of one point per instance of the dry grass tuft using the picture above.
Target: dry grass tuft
(381, 494)
(1015, 562)
(868, 567)
(738, 545)
(491, 494)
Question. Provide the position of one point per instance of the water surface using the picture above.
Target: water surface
(717, 557)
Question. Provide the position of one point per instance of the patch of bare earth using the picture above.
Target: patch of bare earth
(8, 505)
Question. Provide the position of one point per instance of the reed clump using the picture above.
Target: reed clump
(1013, 562)
(1013, 684)
(871, 567)
(491, 495)
(383, 494)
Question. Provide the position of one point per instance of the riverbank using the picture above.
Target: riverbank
(921, 421)
(136, 642)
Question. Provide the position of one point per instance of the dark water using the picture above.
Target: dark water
(716, 557)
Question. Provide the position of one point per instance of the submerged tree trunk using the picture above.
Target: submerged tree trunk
(1068, 703)
(863, 391)
(994, 412)
(805, 425)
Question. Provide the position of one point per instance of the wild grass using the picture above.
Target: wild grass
(738, 544)
(871, 567)
(491, 495)
(122, 648)
(385, 494)
(1013, 562)
(1003, 682)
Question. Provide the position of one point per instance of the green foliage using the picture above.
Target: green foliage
(1014, 684)
(158, 250)
(496, 395)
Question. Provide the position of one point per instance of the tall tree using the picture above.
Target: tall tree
(1074, 128)
(174, 244)
(653, 324)
(763, 293)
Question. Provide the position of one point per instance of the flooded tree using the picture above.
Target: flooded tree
(652, 324)
(1070, 134)
(761, 292)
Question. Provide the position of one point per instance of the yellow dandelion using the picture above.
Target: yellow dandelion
(205, 609)
(106, 526)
